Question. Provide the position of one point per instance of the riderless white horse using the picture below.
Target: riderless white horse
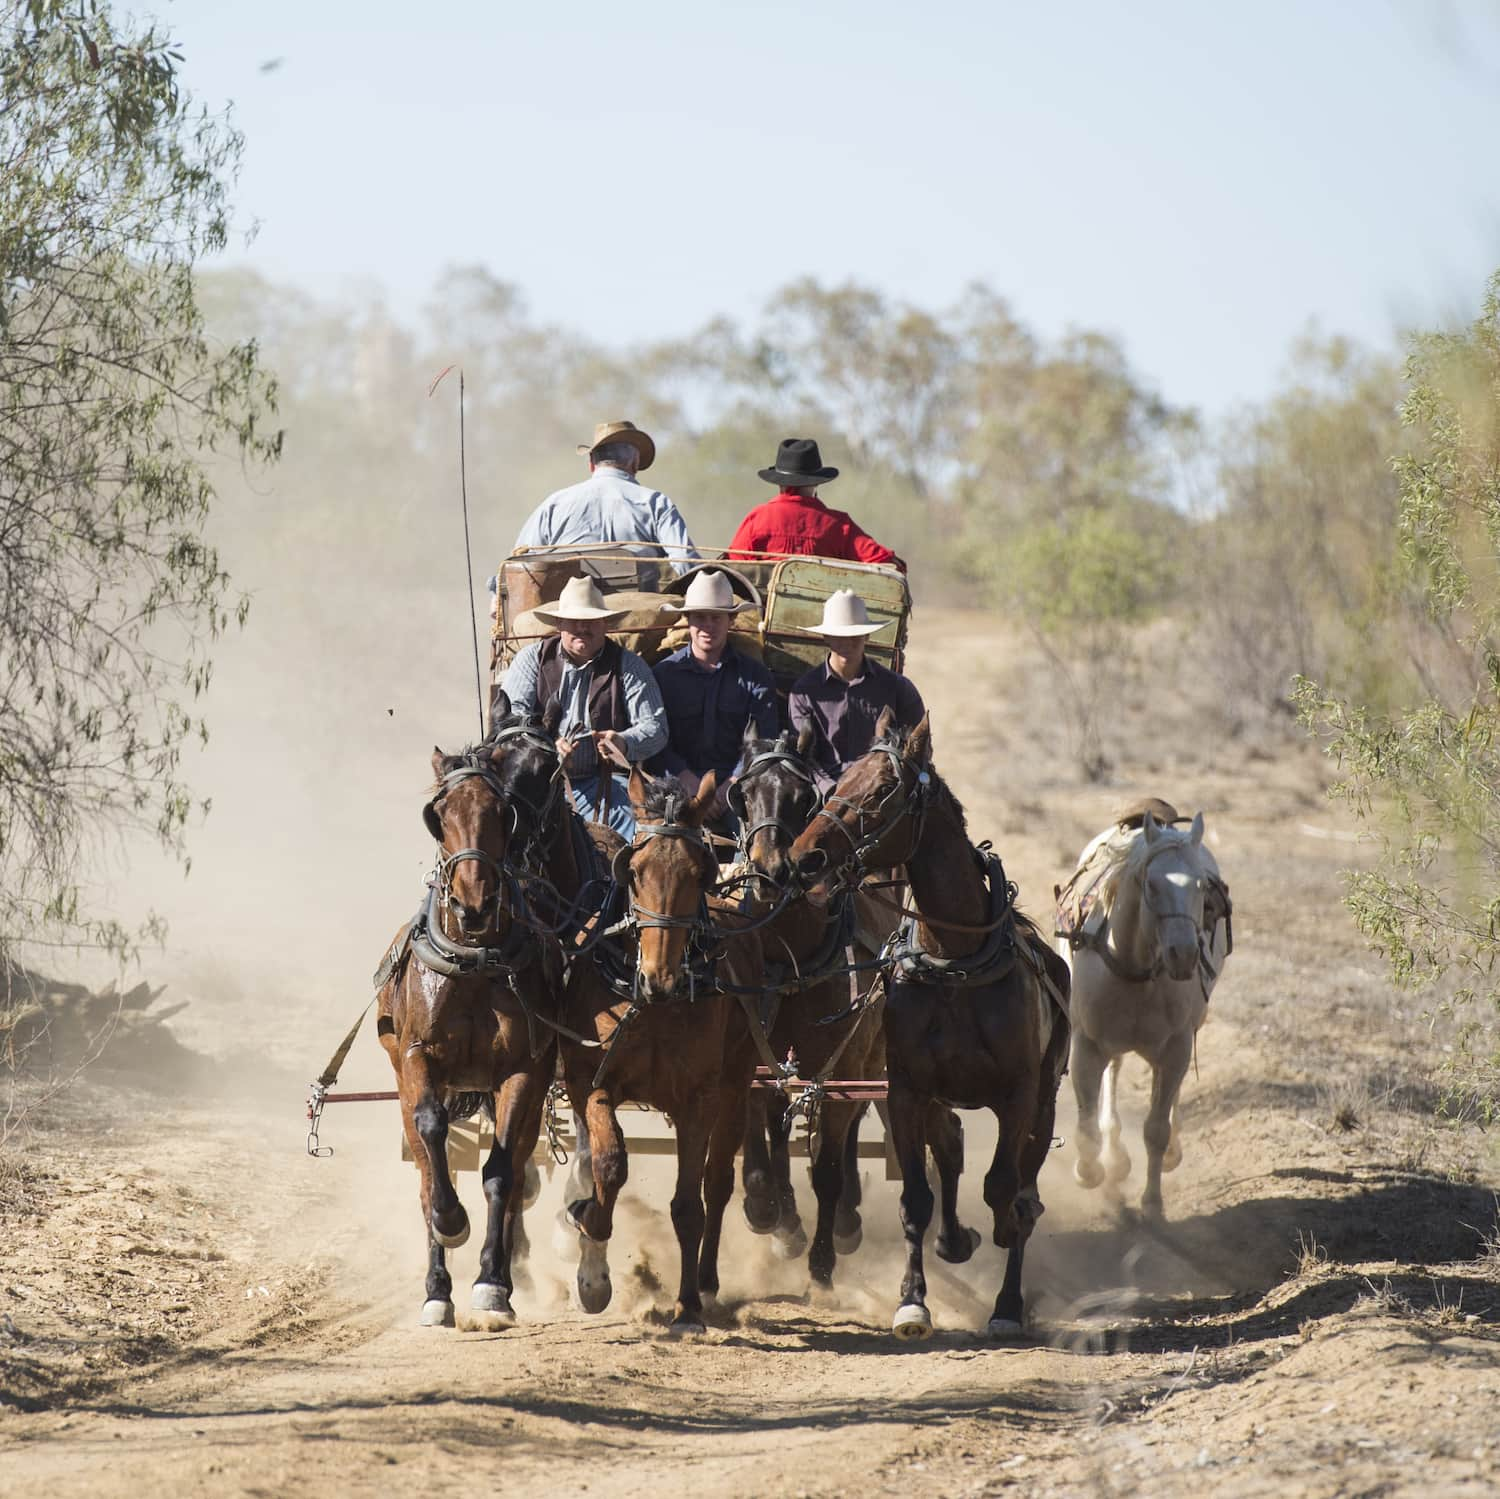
(1145, 924)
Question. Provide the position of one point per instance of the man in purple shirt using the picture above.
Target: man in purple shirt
(841, 700)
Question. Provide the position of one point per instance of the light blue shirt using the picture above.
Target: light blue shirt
(648, 719)
(611, 506)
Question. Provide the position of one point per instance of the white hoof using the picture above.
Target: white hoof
(492, 1308)
(1088, 1174)
(1003, 1330)
(453, 1241)
(437, 1314)
(789, 1245)
(912, 1323)
(710, 1300)
(687, 1328)
(594, 1288)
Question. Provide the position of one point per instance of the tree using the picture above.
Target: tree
(112, 401)
(1426, 774)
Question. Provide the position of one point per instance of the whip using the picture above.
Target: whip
(463, 490)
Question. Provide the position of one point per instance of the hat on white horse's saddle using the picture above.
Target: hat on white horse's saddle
(709, 590)
(580, 599)
(844, 614)
(622, 432)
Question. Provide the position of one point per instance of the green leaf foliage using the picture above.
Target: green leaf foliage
(112, 399)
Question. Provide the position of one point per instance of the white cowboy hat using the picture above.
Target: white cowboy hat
(708, 590)
(622, 432)
(844, 613)
(580, 599)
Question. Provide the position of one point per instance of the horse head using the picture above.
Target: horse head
(484, 803)
(1175, 875)
(774, 797)
(668, 870)
(871, 819)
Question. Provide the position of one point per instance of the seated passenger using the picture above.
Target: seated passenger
(611, 505)
(711, 692)
(612, 712)
(841, 699)
(797, 521)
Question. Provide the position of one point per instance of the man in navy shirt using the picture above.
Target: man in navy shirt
(711, 691)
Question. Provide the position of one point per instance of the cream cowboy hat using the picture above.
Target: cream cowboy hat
(844, 614)
(580, 599)
(623, 432)
(708, 590)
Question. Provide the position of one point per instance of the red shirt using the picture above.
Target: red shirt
(802, 525)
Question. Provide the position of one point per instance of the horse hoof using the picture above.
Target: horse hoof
(790, 1244)
(912, 1323)
(492, 1304)
(762, 1214)
(960, 1253)
(847, 1243)
(687, 1327)
(709, 1299)
(1003, 1329)
(437, 1314)
(594, 1288)
(531, 1187)
(1088, 1174)
(453, 1238)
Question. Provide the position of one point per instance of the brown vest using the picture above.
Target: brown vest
(606, 691)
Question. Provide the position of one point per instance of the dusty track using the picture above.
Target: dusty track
(197, 1307)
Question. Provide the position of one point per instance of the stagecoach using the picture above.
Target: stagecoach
(788, 593)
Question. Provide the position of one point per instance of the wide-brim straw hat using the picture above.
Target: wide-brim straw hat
(580, 599)
(623, 432)
(709, 590)
(844, 615)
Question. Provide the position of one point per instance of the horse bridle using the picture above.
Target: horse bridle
(1158, 966)
(703, 944)
(913, 803)
(476, 765)
(736, 797)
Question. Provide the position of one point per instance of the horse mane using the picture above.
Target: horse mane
(664, 799)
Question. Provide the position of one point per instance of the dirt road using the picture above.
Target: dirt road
(191, 1305)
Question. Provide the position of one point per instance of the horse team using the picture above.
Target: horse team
(549, 950)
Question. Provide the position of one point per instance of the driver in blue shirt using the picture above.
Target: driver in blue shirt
(711, 692)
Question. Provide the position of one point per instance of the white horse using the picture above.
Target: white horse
(1146, 934)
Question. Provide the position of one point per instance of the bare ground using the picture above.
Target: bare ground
(189, 1304)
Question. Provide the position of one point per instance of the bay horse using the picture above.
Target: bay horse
(976, 1005)
(670, 1040)
(463, 994)
(1143, 970)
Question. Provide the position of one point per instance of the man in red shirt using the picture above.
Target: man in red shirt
(797, 522)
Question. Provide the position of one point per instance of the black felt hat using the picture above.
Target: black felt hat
(799, 465)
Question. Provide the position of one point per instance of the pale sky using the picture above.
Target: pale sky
(1201, 179)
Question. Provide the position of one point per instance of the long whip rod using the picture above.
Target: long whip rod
(463, 490)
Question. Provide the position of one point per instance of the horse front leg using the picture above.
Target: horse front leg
(594, 1216)
(836, 1123)
(688, 1216)
(907, 1116)
(848, 1227)
(437, 1308)
(788, 1237)
(1167, 1073)
(447, 1221)
(1089, 1062)
(945, 1137)
(1016, 1115)
(718, 1180)
(761, 1204)
(517, 1118)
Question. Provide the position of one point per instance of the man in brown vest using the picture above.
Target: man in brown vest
(612, 714)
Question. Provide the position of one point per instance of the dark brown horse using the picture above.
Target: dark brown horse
(669, 1039)
(464, 992)
(976, 1006)
(775, 797)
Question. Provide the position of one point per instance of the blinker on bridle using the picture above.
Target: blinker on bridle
(913, 802)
